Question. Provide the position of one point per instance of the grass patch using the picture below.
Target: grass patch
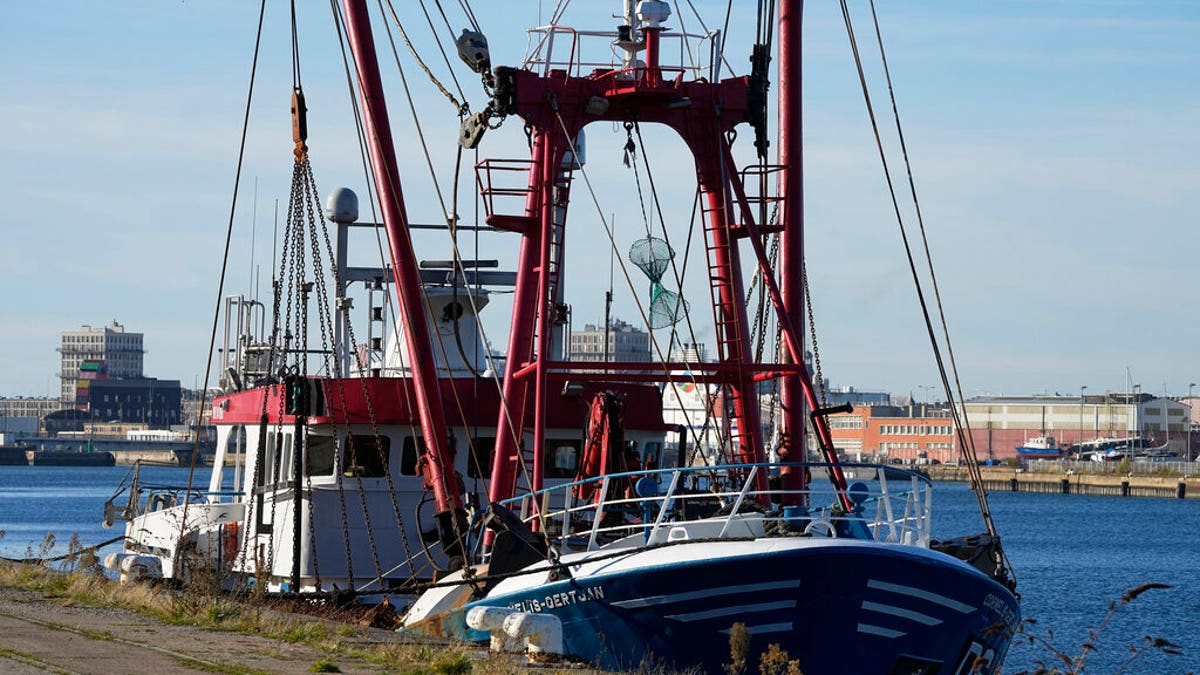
(324, 666)
(303, 632)
(217, 667)
(452, 664)
(31, 660)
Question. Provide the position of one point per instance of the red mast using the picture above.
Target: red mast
(795, 390)
(439, 465)
(791, 239)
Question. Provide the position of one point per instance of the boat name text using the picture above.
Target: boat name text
(555, 600)
(1000, 607)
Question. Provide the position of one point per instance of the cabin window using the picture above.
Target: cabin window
(669, 458)
(235, 455)
(367, 455)
(319, 455)
(479, 463)
(409, 456)
(267, 462)
(283, 461)
(563, 459)
(651, 455)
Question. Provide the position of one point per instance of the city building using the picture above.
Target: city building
(1001, 423)
(846, 394)
(28, 406)
(882, 432)
(625, 342)
(27, 426)
(141, 400)
(92, 353)
(22, 415)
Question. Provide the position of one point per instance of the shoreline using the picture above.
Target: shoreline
(1071, 482)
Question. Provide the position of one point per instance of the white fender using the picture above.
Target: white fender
(542, 633)
(491, 619)
(138, 567)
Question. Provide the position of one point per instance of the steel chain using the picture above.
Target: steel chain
(812, 333)
(327, 337)
(371, 413)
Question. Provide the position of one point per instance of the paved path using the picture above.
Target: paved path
(42, 636)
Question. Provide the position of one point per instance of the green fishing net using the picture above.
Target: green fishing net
(652, 256)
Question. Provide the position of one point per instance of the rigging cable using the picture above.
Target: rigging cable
(456, 252)
(212, 342)
(458, 106)
(725, 27)
(441, 47)
(721, 50)
(466, 8)
(966, 438)
(445, 477)
(683, 35)
(452, 221)
(679, 274)
(630, 160)
(967, 449)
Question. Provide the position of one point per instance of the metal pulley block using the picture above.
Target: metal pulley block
(472, 130)
(473, 50)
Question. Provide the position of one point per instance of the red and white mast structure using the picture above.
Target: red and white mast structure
(556, 105)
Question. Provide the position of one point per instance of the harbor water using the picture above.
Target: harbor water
(1073, 555)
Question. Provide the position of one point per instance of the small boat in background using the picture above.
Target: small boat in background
(1042, 447)
(1112, 449)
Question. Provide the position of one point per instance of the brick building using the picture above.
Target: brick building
(890, 432)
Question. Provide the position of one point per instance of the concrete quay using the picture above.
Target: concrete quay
(1072, 482)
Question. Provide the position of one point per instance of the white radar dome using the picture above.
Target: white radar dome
(342, 206)
(653, 12)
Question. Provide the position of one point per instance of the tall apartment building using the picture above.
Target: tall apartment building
(625, 343)
(109, 351)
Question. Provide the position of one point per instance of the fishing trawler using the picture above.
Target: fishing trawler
(349, 445)
(591, 537)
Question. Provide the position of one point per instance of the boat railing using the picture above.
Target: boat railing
(724, 502)
(141, 498)
(582, 52)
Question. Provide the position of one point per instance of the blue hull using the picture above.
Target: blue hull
(852, 607)
(1039, 453)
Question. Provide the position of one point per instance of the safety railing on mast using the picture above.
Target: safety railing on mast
(676, 56)
(761, 183)
(504, 188)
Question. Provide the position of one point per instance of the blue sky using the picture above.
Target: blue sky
(1055, 148)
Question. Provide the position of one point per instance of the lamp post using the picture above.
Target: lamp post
(1079, 449)
(926, 392)
(1187, 453)
(1137, 410)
